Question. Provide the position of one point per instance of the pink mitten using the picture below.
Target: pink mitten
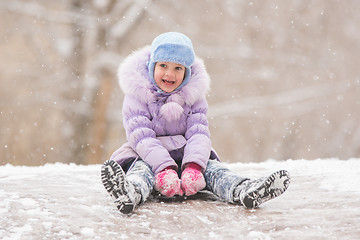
(168, 183)
(192, 180)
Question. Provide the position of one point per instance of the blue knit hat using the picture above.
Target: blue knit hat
(172, 47)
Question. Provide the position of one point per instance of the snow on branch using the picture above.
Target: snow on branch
(120, 29)
(247, 106)
(38, 11)
(154, 10)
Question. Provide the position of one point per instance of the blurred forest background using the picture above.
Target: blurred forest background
(285, 75)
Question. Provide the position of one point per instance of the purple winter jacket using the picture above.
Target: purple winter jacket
(157, 123)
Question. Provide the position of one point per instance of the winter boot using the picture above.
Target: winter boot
(123, 193)
(253, 193)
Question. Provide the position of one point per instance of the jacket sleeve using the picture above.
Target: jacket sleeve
(198, 145)
(141, 136)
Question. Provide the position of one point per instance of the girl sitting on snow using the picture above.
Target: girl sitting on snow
(169, 148)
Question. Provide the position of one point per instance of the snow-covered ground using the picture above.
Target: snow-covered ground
(66, 201)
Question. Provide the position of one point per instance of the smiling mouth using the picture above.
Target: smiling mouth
(168, 82)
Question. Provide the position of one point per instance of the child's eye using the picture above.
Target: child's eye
(179, 68)
(163, 65)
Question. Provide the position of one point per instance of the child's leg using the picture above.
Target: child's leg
(127, 190)
(221, 181)
(235, 189)
(142, 178)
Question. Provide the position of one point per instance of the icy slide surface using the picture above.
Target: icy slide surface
(61, 201)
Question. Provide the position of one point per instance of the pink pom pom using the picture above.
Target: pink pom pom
(171, 111)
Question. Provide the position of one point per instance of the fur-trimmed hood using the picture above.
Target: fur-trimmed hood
(134, 79)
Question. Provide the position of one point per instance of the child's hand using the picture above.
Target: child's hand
(168, 183)
(192, 180)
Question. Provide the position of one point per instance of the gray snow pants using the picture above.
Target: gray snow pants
(219, 179)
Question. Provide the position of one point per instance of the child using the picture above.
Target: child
(169, 148)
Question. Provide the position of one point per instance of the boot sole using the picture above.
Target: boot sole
(113, 179)
(273, 186)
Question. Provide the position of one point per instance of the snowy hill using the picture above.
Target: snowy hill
(61, 201)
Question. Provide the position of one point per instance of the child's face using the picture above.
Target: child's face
(168, 76)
